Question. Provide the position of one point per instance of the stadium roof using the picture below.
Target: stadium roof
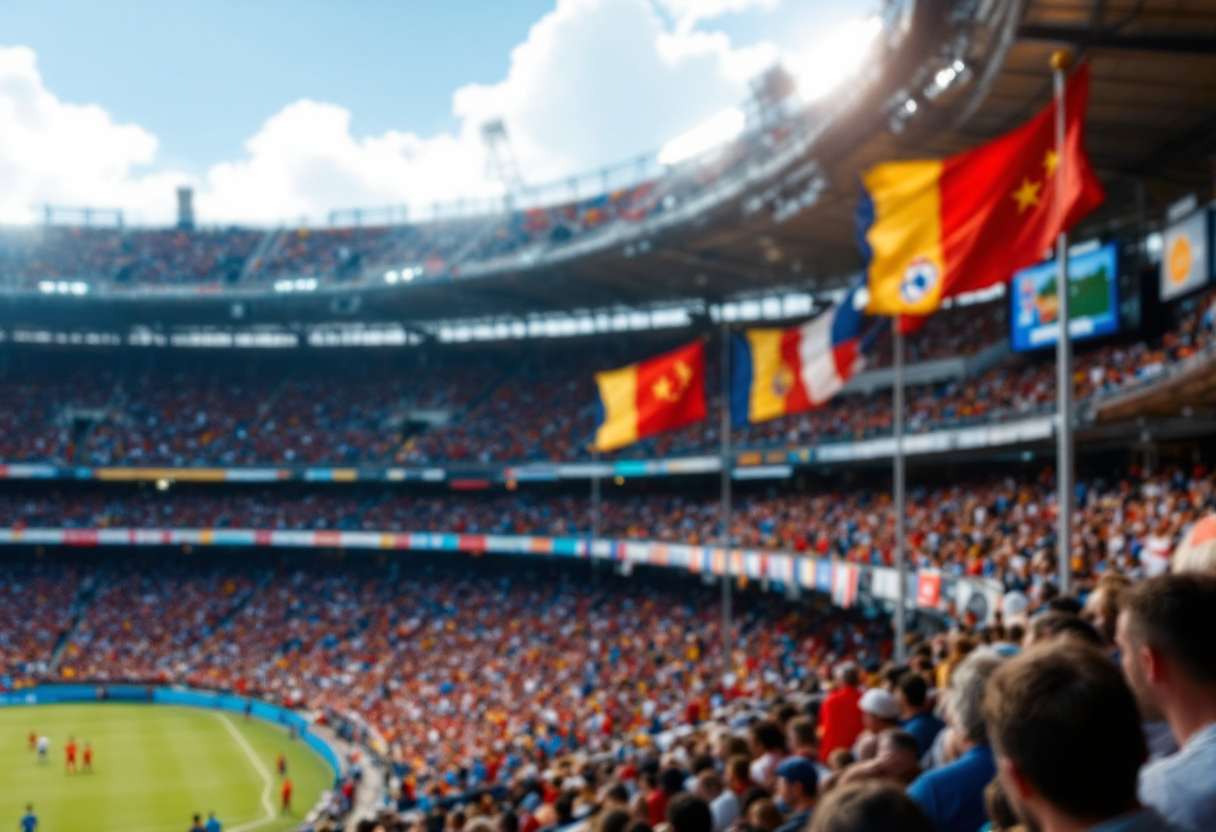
(1151, 133)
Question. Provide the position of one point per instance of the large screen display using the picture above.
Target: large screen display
(1094, 299)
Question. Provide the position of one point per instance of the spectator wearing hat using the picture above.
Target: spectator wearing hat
(918, 719)
(1165, 633)
(797, 791)
(839, 716)
(1065, 732)
(879, 711)
(953, 795)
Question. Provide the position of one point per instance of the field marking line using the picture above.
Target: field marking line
(261, 769)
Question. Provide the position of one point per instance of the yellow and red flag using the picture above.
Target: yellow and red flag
(931, 229)
(659, 394)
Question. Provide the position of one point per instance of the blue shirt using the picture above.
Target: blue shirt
(29, 822)
(925, 727)
(953, 795)
(213, 825)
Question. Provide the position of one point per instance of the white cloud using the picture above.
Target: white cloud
(595, 82)
(69, 154)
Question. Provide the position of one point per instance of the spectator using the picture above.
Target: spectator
(768, 749)
(1197, 551)
(898, 758)
(689, 813)
(797, 791)
(801, 734)
(1165, 637)
(839, 715)
(764, 816)
(953, 795)
(1066, 733)
(1102, 605)
(879, 711)
(872, 806)
(918, 718)
(723, 803)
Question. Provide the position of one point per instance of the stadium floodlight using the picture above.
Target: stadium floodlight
(47, 287)
(835, 59)
(390, 276)
(720, 129)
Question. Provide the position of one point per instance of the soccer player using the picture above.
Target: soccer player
(69, 751)
(213, 825)
(197, 826)
(282, 763)
(44, 745)
(88, 758)
(29, 821)
(286, 796)
(33, 740)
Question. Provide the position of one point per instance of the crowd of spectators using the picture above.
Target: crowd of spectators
(999, 527)
(503, 698)
(494, 405)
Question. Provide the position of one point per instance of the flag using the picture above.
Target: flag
(775, 372)
(929, 230)
(659, 394)
(844, 584)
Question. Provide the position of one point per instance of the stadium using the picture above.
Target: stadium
(345, 525)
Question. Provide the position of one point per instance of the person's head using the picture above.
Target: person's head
(1165, 641)
(509, 822)
(879, 710)
(797, 783)
(738, 772)
(767, 737)
(615, 793)
(965, 693)
(1053, 625)
(900, 747)
(801, 733)
(997, 808)
(689, 813)
(912, 694)
(729, 745)
(709, 785)
(672, 780)
(1066, 734)
(848, 675)
(764, 815)
(564, 807)
(840, 759)
(197, 819)
(613, 820)
(1102, 605)
(1197, 550)
(869, 806)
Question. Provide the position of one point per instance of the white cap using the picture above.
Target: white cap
(1014, 603)
(879, 703)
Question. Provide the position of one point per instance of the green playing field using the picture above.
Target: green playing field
(154, 766)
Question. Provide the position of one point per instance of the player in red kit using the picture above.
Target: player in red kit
(88, 758)
(70, 751)
(33, 740)
(286, 796)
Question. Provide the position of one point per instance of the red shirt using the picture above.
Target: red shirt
(841, 720)
(656, 805)
(70, 748)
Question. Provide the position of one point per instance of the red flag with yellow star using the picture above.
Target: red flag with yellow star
(933, 229)
(659, 394)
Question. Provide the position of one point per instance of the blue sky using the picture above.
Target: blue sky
(276, 110)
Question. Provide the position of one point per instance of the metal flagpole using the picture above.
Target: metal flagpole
(727, 626)
(1060, 61)
(595, 513)
(901, 599)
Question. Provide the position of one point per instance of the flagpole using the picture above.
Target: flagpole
(901, 599)
(727, 625)
(595, 513)
(1060, 61)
